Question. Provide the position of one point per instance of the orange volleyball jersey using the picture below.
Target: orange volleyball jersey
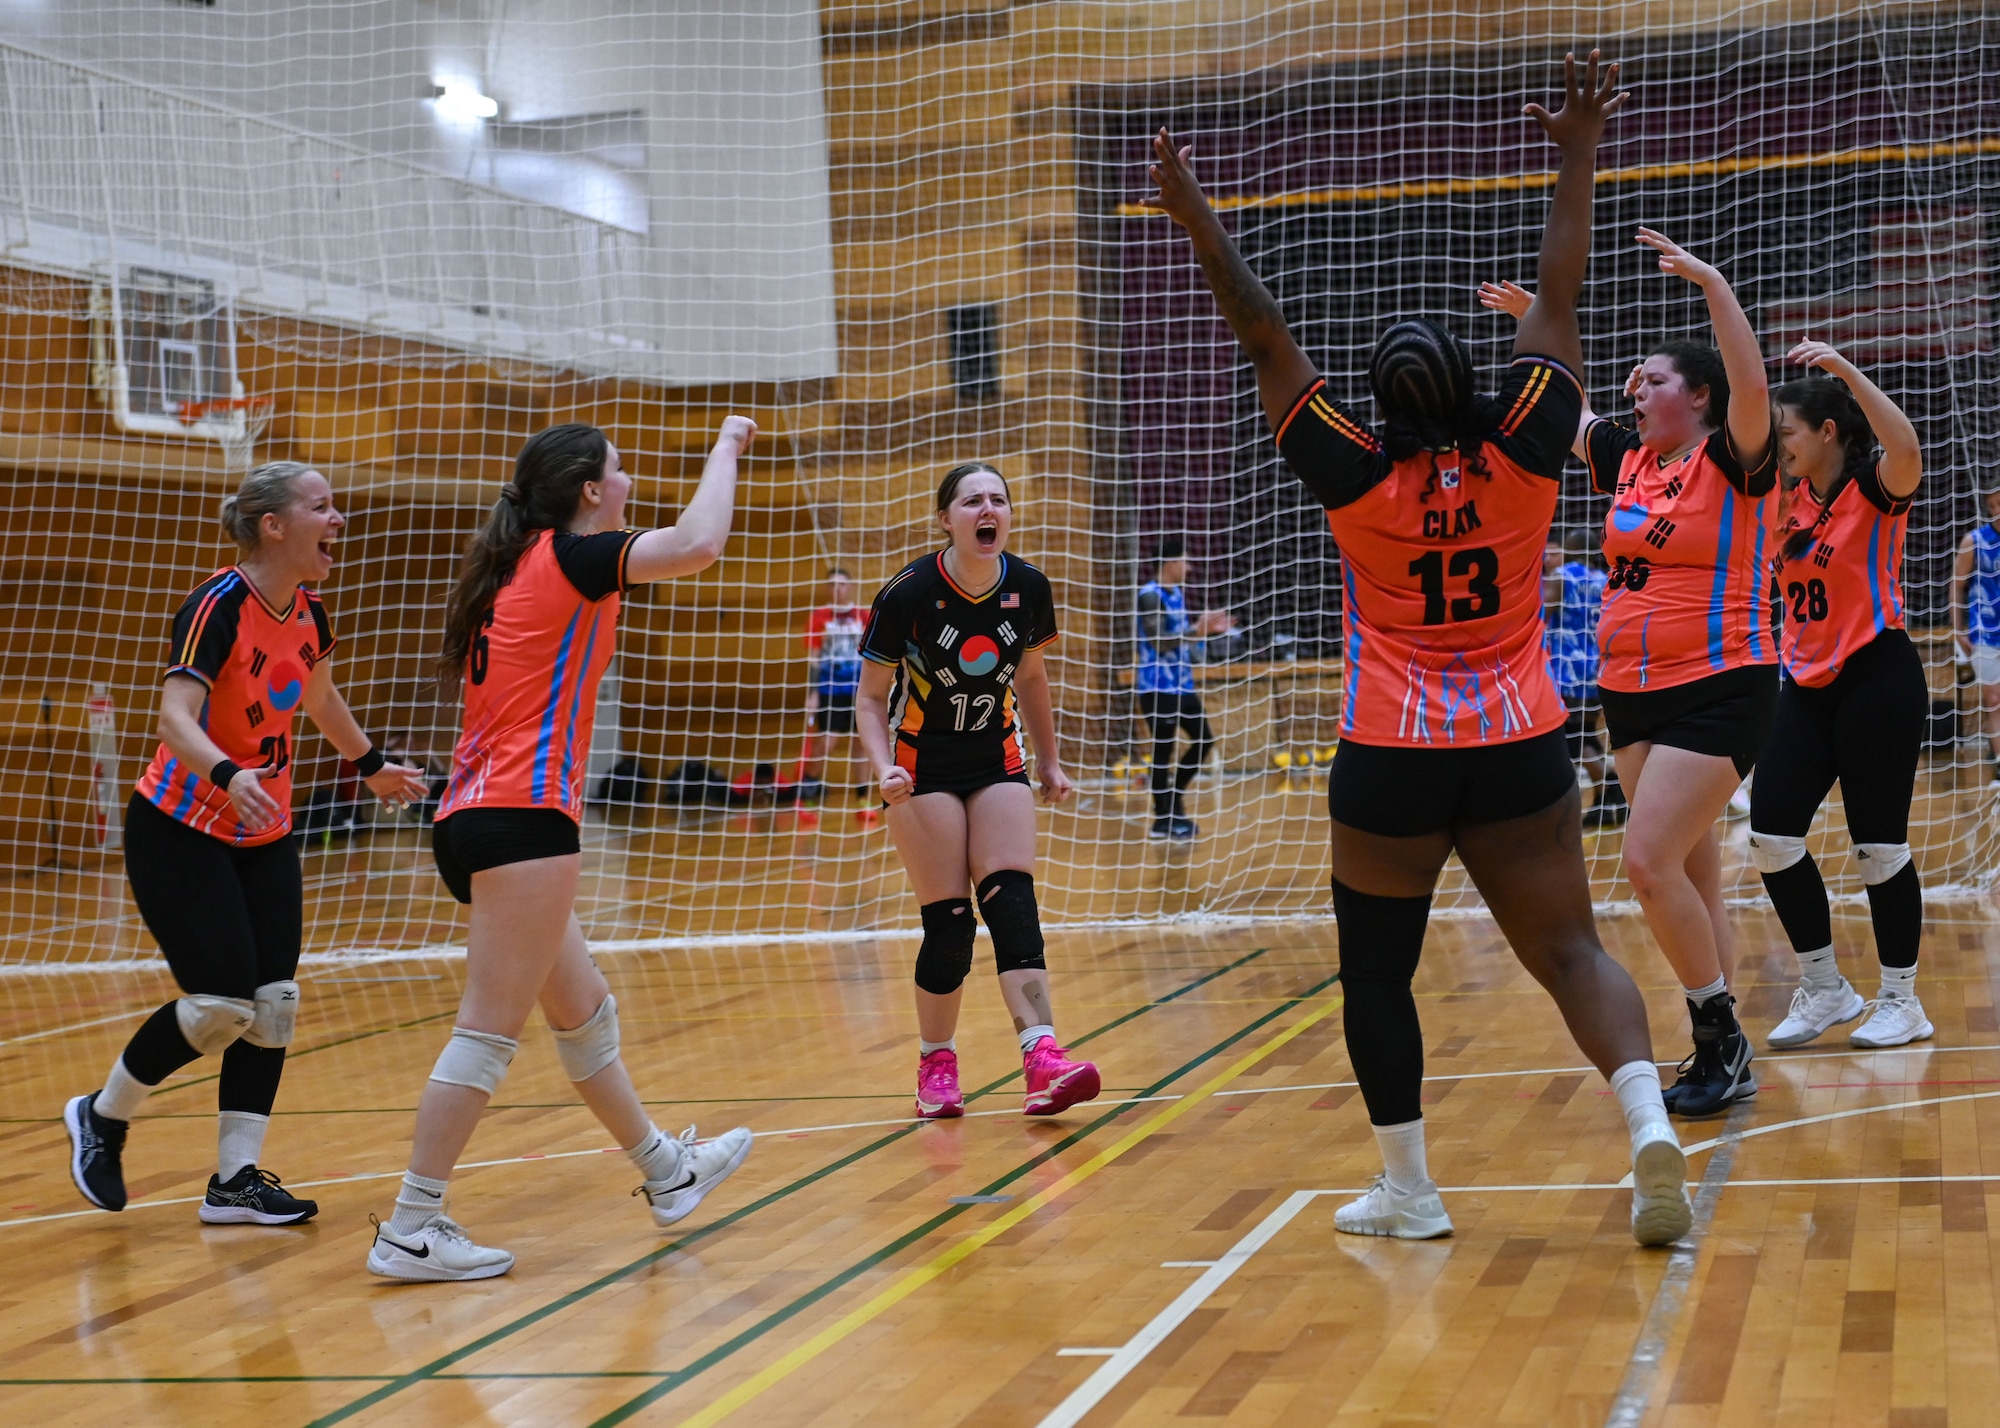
(255, 662)
(1688, 543)
(1442, 588)
(532, 673)
(1846, 587)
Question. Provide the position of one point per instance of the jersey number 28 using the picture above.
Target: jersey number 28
(1482, 590)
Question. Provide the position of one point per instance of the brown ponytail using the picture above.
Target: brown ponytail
(549, 477)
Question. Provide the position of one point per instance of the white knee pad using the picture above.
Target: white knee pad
(478, 1059)
(210, 1024)
(1880, 862)
(586, 1050)
(1773, 852)
(277, 1015)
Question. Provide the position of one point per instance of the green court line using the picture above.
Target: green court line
(306, 1378)
(437, 1366)
(672, 1381)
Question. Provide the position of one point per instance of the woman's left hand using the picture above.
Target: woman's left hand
(1822, 355)
(1676, 260)
(1056, 786)
(398, 785)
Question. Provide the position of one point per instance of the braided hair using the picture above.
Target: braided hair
(1819, 400)
(1422, 378)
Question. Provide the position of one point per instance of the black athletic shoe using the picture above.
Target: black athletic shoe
(96, 1153)
(1181, 830)
(1716, 1074)
(1163, 827)
(253, 1197)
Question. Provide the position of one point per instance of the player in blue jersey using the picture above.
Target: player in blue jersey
(1573, 596)
(1975, 580)
(1168, 701)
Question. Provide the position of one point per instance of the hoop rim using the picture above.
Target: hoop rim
(252, 407)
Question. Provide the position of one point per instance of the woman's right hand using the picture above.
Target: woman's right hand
(1676, 260)
(896, 784)
(1632, 381)
(738, 429)
(1507, 297)
(1180, 197)
(258, 810)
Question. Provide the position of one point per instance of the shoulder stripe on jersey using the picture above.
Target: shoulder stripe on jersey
(624, 555)
(545, 737)
(1329, 414)
(1317, 385)
(1525, 403)
(201, 614)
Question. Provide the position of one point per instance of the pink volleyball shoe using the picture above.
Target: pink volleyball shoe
(938, 1097)
(1055, 1083)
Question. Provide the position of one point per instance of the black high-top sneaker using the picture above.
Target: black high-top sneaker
(96, 1153)
(1717, 1074)
(253, 1197)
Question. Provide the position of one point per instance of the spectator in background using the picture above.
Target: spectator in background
(1573, 594)
(833, 648)
(1169, 638)
(1975, 579)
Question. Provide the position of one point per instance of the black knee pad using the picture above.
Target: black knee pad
(1381, 938)
(1007, 903)
(946, 956)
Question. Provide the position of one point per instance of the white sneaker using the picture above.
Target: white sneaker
(440, 1250)
(1897, 1020)
(704, 1165)
(1661, 1212)
(1813, 1010)
(1404, 1215)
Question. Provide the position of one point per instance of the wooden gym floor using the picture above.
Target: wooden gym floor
(1165, 1254)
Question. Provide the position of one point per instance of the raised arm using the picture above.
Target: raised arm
(695, 541)
(1283, 371)
(1902, 465)
(1742, 356)
(1549, 326)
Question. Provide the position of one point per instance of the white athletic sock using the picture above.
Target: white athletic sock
(239, 1141)
(1033, 1035)
(418, 1203)
(925, 1048)
(1403, 1156)
(1698, 995)
(1637, 1086)
(658, 1156)
(1819, 971)
(1899, 981)
(122, 1095)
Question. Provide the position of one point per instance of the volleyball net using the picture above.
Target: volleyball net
(394, 240)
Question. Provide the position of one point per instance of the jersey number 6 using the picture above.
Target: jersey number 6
(480, 652)
(1482, 590)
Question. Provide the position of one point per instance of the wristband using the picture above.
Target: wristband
(370, 763)
(223, 772)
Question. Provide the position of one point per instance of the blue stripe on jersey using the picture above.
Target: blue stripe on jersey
(1718, 599)
(186, 805)
(576, 704)
(1875, 570)
(1645, 655)
(1351, 675)
(539, 785)
(1757, 599)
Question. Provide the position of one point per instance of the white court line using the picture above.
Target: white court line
(1777, 1126)
(1088, 1394)
(1085, 1353)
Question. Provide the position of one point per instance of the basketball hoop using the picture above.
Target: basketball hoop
(234, 423)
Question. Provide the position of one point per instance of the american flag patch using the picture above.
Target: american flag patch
(1010, 602)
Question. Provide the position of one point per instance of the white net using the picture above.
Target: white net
(900, 235)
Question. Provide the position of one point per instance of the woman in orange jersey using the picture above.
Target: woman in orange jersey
(212, 868)
(1853, 703)
(529, 629)
(1451, 728)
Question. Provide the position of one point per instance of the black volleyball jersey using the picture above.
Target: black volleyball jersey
(955, 657)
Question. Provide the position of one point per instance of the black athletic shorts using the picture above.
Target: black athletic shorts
(475, 839)
(1726, 715)
(1398, 792)
(962, 766)
(228, 919)
(835, 715)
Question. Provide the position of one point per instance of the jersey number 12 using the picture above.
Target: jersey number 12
(984, 703)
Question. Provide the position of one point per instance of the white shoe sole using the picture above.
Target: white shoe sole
(244, 1215)
(1922, 1033)
(1848, 1013)
(73, 1123)
(1661, 1213)
(1401, 1225)
(411, 1270)
(685, 1201)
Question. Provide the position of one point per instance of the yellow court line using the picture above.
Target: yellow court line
(1512, 183)
(768, 1377)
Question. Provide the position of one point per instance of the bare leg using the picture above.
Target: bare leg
(929, 832)
(519, 916)
(1676, 797)
(1989, 696)
(572, 995)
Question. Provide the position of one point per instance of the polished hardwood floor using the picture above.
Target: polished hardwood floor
(864, 1269)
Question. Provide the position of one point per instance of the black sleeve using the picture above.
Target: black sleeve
(1604, 446)
(1042, 623)
(1754, 482)
(1328, 449)
(205, 631)
(1540, 404)
(889, 622)
(322, 626)
(1870, 482)
(594, 564)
